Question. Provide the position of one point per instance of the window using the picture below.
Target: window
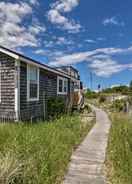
(62, 85)
(65, 86)
(32, 83)
(76, 75)
(76, 85)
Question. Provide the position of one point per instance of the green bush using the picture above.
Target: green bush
(102, 99)
(118, 105)
(91, 94)
(55, 107)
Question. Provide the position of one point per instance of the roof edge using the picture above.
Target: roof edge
(31, 61)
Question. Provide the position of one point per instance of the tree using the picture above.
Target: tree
(91, 94)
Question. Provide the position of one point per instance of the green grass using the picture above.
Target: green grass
(39, 153)
(119, 155)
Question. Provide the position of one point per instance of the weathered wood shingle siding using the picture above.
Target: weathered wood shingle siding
(7, 104)
(29, 109)
(50, 84)
(47, 89)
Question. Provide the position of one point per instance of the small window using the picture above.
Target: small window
(62, 85)
(65, 86)
(76, 75)
(32, 83)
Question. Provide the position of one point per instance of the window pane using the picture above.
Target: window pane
(33, 90)
(65, 86)
(33, 74)
(33, 82)
(60, 85)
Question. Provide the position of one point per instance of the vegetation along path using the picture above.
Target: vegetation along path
(87, 162)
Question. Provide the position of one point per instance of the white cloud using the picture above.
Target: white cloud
(50, 55)
(49, 44)
(39, 51)
(113, 20)
(70, 59)
(99, 60)
(12, 31)
(101, 39)
(90, 41)
(34, 2)
(55, 15)
(63, 40)
(54, 42)
(106, 67)
(13, 12)
(88, 55)
(65, 5)
(36, 29)
(43, 52)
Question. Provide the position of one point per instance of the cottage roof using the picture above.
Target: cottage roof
(29, 60)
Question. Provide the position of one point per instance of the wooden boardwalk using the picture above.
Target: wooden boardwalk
(87, 162)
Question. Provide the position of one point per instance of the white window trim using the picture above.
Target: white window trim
(63, 79)
(28, 85)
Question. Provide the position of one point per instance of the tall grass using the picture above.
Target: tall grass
(38, 153)
(119, 156)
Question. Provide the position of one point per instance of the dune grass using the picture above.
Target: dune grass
(119, 155)
(39, 153)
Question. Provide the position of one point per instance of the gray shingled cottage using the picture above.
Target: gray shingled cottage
(26, 84)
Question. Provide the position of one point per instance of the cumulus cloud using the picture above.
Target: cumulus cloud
(106, 67)
(56, 15)
(34, 2)
(13, 33)
(113, 21)
(65, 5)
(64, 41)
(54, 42)
(50, 55)
(99, 60)
(88, 55)
(35, 29)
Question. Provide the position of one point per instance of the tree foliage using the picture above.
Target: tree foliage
(118, 89)
(91, 94)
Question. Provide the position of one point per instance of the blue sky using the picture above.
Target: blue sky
(92, 35)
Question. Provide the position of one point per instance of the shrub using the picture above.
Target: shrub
(102, 99)
(55, 107)
(118, 105)
(91, 94)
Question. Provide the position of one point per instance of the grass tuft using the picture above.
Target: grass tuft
(119, 154)
(39, 153)
(10, 168)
